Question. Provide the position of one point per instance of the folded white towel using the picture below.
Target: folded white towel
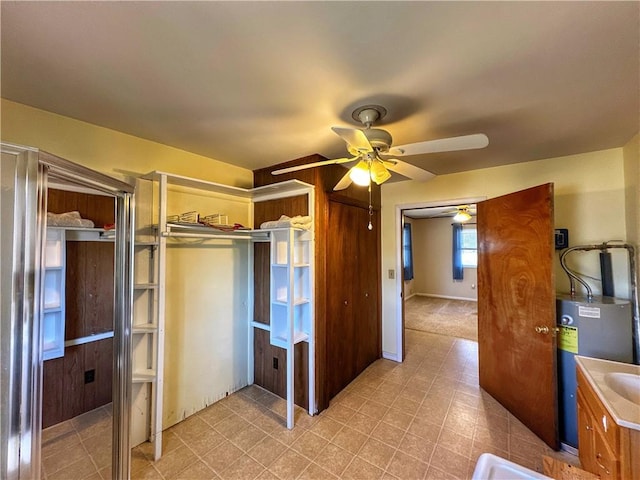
(299, 221)
(68, 219)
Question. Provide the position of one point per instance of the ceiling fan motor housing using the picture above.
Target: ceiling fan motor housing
(379, 139)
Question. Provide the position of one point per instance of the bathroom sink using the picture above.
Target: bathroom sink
(626, 385)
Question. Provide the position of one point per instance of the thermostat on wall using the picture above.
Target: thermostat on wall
(562, 238)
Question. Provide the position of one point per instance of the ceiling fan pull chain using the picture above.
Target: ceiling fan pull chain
(370, 226)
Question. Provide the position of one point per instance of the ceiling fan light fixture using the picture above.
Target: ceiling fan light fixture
(462, 216)
(360, 174)
(379, 173)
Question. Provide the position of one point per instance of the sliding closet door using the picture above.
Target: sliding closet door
(21, 202)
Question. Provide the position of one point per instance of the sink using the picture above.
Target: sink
(626, 385)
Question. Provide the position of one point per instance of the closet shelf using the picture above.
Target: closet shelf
(281, 340)
(297, 301)
(152, 243)
(148, 328)
(77, 234)
(201, 231)
(144, 376)
(282, 189)
(261, 326)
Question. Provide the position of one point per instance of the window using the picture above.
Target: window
(407, 255)
(469, 246)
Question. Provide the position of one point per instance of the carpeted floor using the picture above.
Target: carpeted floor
(455, 318)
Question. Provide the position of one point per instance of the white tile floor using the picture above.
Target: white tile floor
(423, 419)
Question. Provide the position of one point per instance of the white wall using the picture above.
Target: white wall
(432, 255)
(631, 154)
(589, 201)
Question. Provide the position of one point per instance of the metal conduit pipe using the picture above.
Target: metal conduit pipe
(632, 283)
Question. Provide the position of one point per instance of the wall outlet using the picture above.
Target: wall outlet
(275, 362)
(89, 376)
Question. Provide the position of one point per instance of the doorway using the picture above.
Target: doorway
(436, 209)
(438, 298)
(25, 334)
(518, 303)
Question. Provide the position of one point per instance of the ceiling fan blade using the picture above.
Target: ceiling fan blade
(311, 165)
(354, 138)
(465, 142)
(344, 182)
(407, 170)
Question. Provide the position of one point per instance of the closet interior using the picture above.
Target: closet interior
(221, 303)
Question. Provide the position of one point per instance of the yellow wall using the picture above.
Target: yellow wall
(206, 282)
(432, 252)
(589, 201)
(108, 151)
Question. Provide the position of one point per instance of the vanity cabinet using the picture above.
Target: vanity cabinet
(605, 448)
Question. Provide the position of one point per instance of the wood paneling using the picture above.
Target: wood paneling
(89, 288)
(262, 282)
(65, 395)
(273, 209)
(97, 208)
(326, 289)
(98, 356)
(52, 392)
(275, 380)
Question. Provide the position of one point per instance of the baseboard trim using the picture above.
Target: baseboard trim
(446, 297)
(391, 356)
(410, 296)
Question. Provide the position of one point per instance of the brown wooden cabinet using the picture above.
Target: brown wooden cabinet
(347, 279)
(605, 448)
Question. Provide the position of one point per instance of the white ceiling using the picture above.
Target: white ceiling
(259, 83)
(438, 212)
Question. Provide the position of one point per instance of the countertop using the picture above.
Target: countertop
(624, 412)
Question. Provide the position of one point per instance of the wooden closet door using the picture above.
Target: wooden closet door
(367, 307)
(353, 319)
(341, 275)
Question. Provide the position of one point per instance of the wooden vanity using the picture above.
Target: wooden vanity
(608, 427)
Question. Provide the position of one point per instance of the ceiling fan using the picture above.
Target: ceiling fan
(462, 214)
(373, 154)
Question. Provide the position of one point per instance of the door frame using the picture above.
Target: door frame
(399, 220)
(23, 448)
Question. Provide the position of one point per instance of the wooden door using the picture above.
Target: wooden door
(341, 274)
(353, 312)
(516, 307)
(366, 298)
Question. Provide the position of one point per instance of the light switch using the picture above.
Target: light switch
(392, 273)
